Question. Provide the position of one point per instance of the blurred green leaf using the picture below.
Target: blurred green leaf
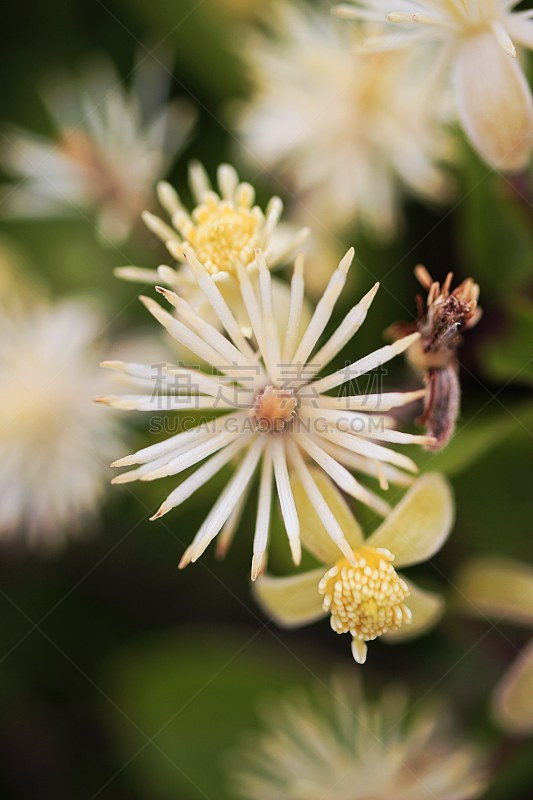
(477, 437)
(509, 357)
(200, 37)
(494, 230)
(194, 695)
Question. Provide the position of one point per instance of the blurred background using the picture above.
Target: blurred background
(120, 677)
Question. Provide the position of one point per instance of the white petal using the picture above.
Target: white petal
(420, 524)
(228, 180)
(136, 274)
(375, 469)
(340, 475)
(364, 447)
(190, 457)
(291, 601)
(159, 402)
(262, 523)
(177, 442)
(520, 30)
(191, 484)
(494, 102)
(345, 331)
(372, 402)
(204, 329)
(225, 503)
(426, 609)
(365, 364)
(313, 534)
(323, 310)
(218, 304)
(295, 309)
(160, 228)
(229, 529)
(513, 700)
(286, 498)
(199, 181)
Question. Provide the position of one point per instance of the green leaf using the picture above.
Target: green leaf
(509, 357)
(185, 700)
(494, 231)
(477, 437)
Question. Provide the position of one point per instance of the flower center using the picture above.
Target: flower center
(471, 16)
(222, 235)
(366, 600)
(273, 409)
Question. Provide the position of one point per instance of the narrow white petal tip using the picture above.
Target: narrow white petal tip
(126, 477)
(148, 302)
(176, 250)
(112, 364)
(359, 651)
(185, 559)
(347, 552)
(166, 194)
(296, 551)
(347, 259)
(104, 399)
(127, 461)
(167, 293)
(408, 340)
(258, 565)
(159, 513)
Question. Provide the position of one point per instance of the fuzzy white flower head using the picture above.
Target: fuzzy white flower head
(474, 42)
(334, 745)
(53, 441)
(349, 132)
(275, 410)
(110, 144)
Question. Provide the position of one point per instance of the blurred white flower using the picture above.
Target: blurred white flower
(365, 596)
(110, 144)
(17, 289)
(502, 590)
(275, 409)
(224, 230)
(348, 131)
(53, 440)
(334, 745)
(472, 40)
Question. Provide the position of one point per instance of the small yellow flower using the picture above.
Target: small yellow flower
(225, 228)
(502, 590)
(366, 597)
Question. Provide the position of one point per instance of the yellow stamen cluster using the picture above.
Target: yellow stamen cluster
(273, 409)
(223, 234)
(365, 600)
